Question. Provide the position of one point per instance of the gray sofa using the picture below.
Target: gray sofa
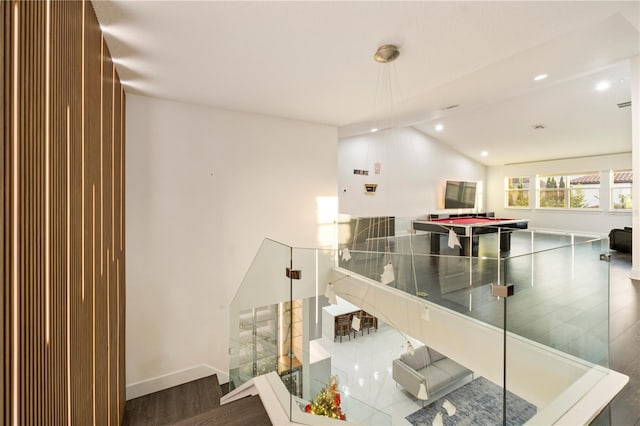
(440, 374)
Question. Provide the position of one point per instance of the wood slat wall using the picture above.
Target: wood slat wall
(62, 225)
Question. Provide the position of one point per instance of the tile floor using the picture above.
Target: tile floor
(363, 366)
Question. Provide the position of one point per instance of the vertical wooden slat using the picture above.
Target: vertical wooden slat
(5, 28)
(5, 170)
(61, 178)
(122, 262)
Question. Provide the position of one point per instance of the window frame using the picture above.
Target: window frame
(613, 187)
(508, 191)
(567, 191)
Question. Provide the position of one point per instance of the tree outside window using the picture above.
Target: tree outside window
(517, 192)
(621, 190)
(580, 191)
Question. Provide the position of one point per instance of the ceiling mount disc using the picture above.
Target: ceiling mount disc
(386, 53)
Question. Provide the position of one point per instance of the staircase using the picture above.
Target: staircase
(194, 403)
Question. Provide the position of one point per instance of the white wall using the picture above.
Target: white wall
(600, 222)
(413, 169)
(204, 187)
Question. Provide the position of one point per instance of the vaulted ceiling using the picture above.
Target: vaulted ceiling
(313, 61)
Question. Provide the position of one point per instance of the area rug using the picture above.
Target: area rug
(477, 403)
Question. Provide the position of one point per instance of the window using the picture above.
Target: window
(579, 191)
(621, 189)
(517, 191)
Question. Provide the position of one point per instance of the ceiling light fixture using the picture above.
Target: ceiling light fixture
(603, 85)
(484, 154)
(387, 90)
(386, 53)
(439, 127)
(540, 77)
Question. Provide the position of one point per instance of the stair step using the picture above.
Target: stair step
(174, 404)
(245, 411)
(225, 388)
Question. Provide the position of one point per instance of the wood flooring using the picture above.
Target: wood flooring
(194, 403)
(246, 411)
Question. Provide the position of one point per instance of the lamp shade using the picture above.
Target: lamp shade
(355, 323)
(330, 294)
(346, 255)
(453, 239)
(451, 409)
(422, 392)
(387, 276)
(437, 420)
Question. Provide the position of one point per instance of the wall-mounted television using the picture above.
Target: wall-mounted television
(460, 195)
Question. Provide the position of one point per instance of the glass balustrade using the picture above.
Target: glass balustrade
(284, 320)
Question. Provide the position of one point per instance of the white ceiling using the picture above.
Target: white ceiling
(312, 61)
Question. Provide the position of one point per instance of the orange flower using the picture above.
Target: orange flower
(336, 399)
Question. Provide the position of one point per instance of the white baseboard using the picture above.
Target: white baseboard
(175, 378)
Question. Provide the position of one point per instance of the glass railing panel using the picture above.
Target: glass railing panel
(376, 373)
(312, 321)
(353, 409)
(560, 278)
(563, 286)
(531, 241)
(256, 312)
(302, 321)
(460, 283)
(356, 230)
(561, 300)
(560, 306)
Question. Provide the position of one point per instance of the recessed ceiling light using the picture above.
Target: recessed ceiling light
(375, 129)
(484, 154)
(439, 127)
(540, 77)
(603, 85)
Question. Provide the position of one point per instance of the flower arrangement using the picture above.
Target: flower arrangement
(327, 402)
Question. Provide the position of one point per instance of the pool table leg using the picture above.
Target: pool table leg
(505, 241)
(470, 246)
(435, 242)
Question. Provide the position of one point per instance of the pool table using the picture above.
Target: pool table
(470, 228)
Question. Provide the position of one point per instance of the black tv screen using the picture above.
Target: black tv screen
(460, 195)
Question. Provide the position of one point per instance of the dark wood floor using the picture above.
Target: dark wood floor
(194, 403)
(244, 412)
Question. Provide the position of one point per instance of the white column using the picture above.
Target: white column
(606, 182)
(635, 153)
